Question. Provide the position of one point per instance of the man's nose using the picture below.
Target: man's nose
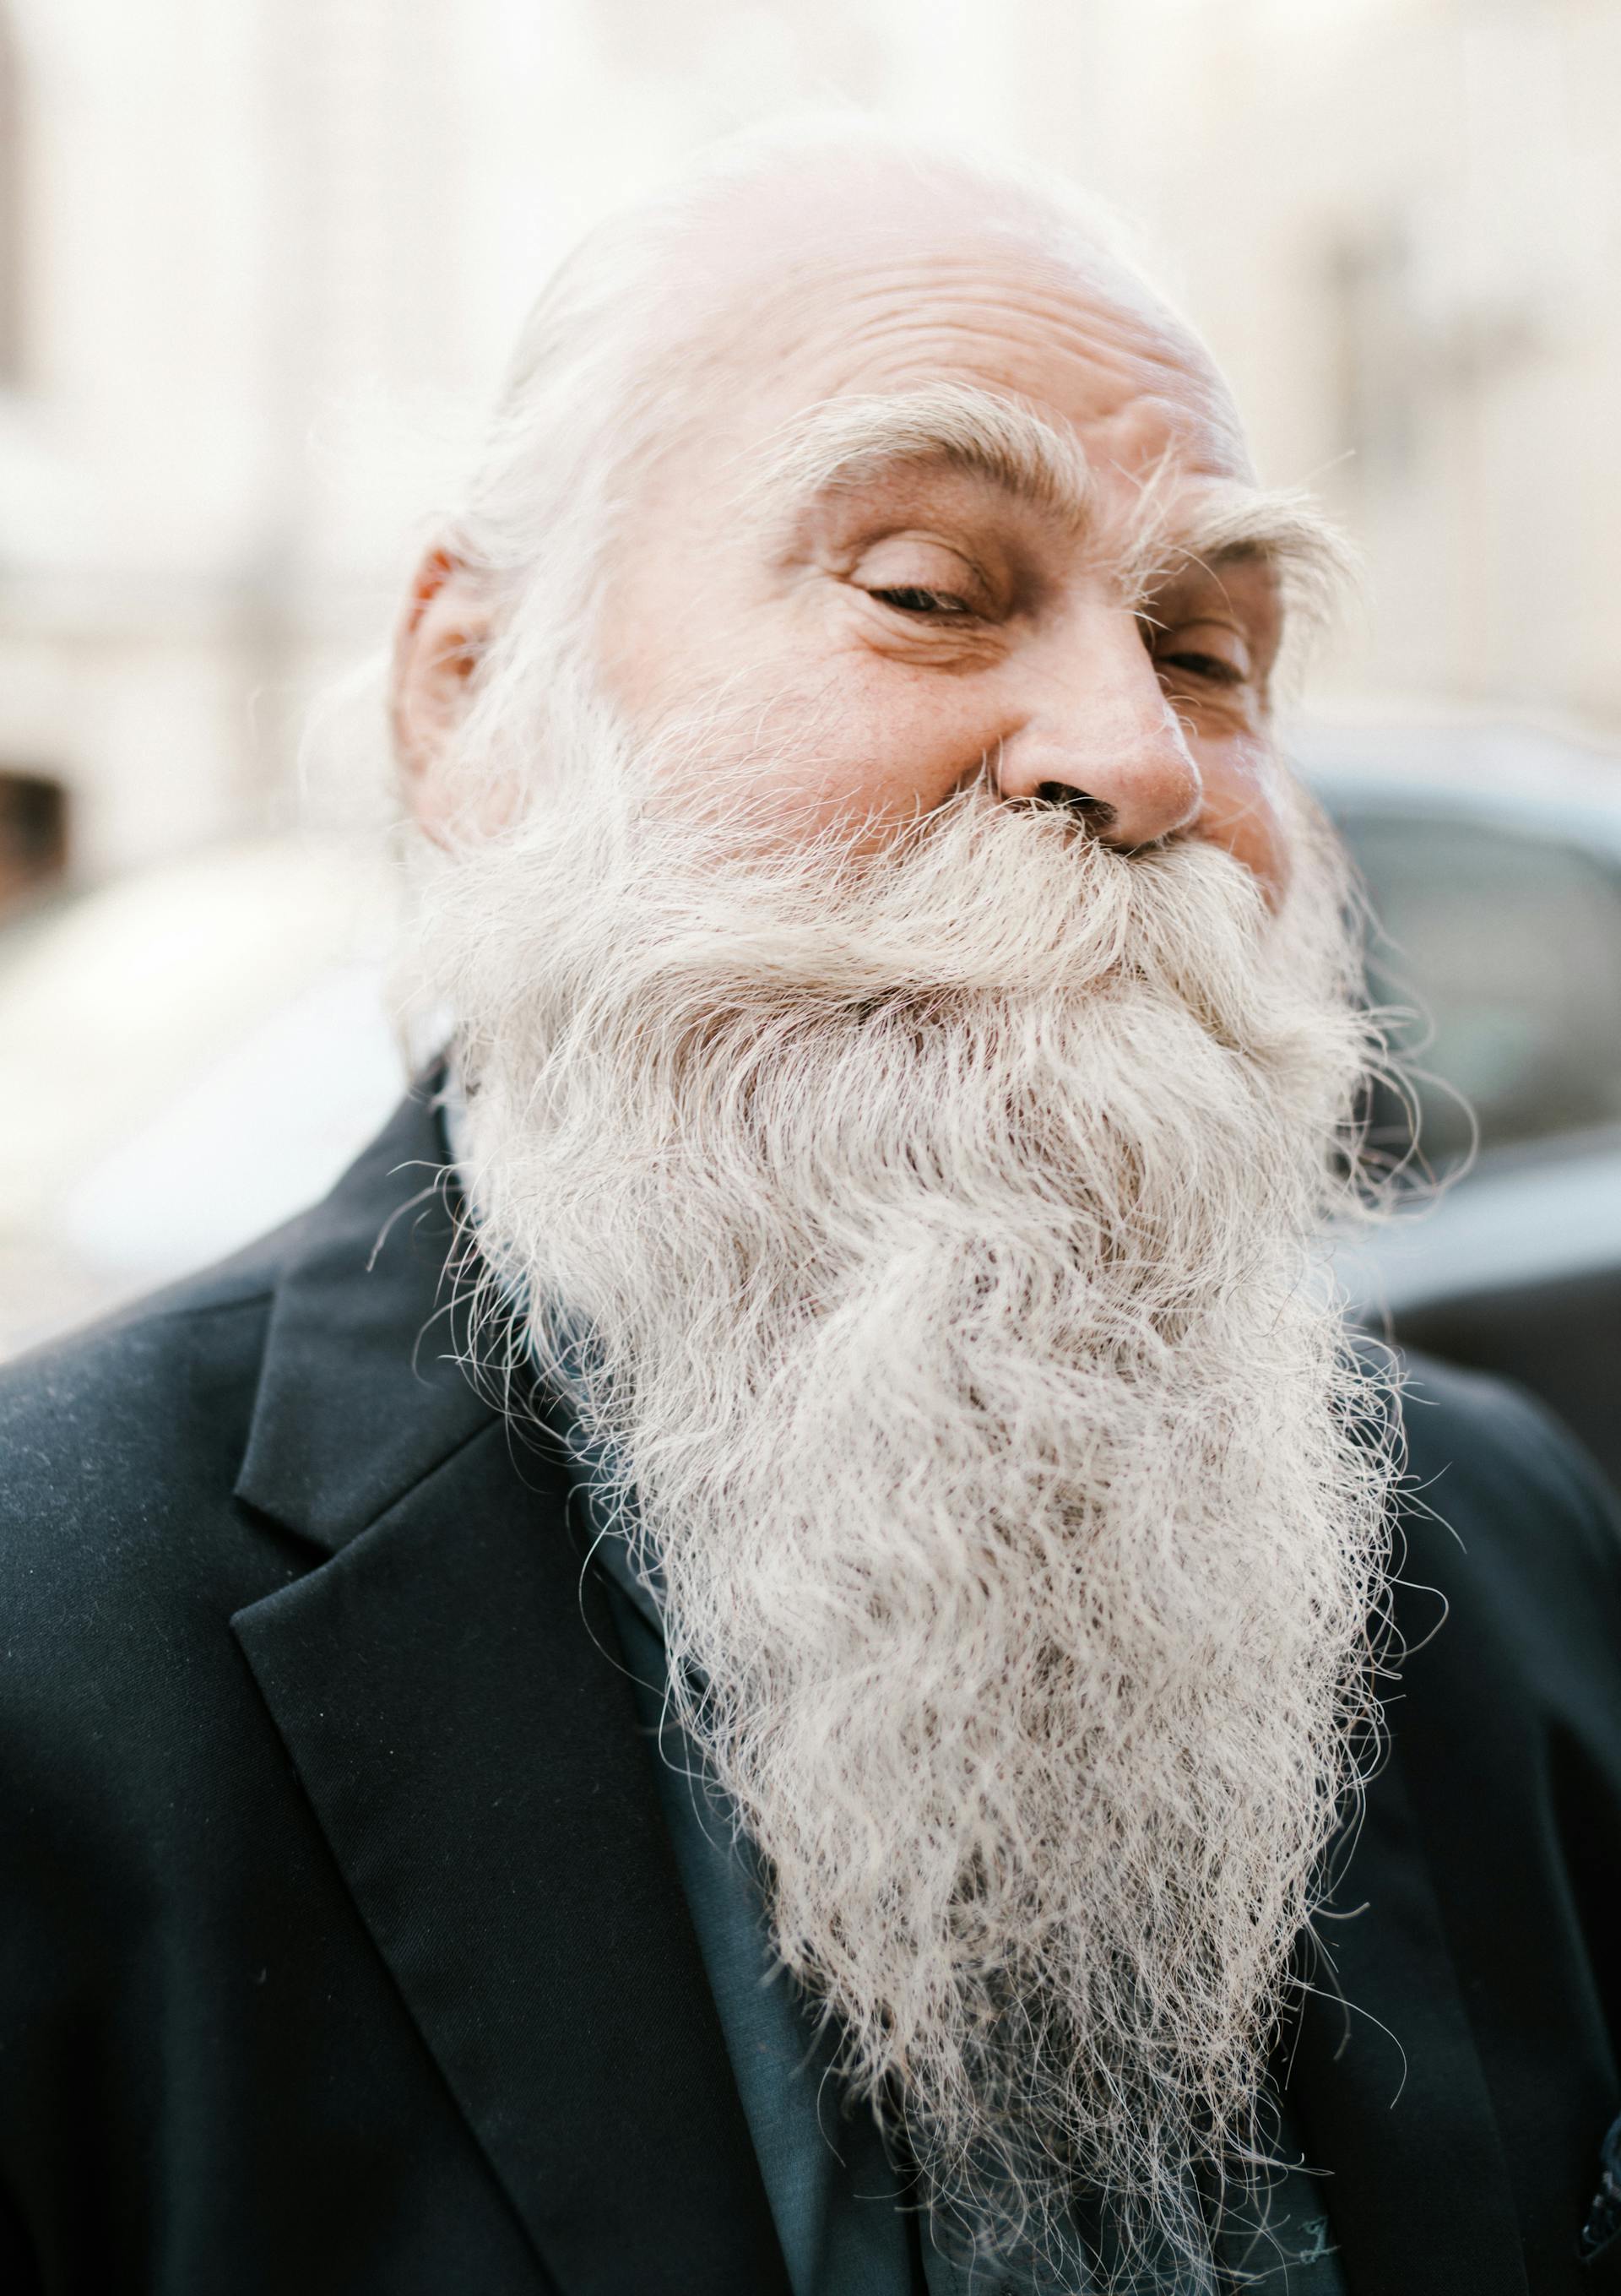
(1098, 735)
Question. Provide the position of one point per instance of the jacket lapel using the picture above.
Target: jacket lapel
(1389, 2085)
(446, 1687)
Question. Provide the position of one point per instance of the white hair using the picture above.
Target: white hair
(942, 1223)
(941, 1220)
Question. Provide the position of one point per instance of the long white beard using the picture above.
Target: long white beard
(943, 1219)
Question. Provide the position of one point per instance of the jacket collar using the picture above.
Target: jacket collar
(364, 1389)
(446, 1688)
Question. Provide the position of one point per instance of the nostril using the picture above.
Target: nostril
(1065, 798)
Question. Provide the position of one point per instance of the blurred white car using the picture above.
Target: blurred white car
(194, 1052)
(1493, 862)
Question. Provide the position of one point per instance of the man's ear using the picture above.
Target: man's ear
(442, 635)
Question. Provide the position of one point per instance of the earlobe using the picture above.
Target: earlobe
(443, 632)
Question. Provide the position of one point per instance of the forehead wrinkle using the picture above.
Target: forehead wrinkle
(846, 442)
(925, 302)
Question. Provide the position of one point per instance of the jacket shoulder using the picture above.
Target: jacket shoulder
(1488, 1463)
(1506, 1527)
(122, 1440)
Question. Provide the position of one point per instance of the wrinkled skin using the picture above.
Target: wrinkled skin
(912, 630)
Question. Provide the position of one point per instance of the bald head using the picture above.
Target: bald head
(855, 250)
(895, 451)
(813, 238)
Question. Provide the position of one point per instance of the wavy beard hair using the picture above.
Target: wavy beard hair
(943, 1211)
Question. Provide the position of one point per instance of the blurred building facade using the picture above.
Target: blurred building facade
(260, 261)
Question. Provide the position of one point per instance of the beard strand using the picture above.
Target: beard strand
(941, 1220)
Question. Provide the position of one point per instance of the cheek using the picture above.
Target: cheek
(858, 739)
(1246, 809)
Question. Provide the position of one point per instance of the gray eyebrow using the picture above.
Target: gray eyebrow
(1228, 523)
(846, 442)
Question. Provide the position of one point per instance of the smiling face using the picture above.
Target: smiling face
(957, 498)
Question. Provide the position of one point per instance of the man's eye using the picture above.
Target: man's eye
(910, 599)
(1211, 667)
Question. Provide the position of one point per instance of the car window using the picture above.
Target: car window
(1511, 944)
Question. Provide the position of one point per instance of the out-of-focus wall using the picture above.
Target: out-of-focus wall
(1400, 224)
(268, 254)
(235, 216)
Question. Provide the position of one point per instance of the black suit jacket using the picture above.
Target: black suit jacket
(340, 1944)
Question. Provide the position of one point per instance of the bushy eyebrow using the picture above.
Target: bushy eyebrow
(1225, 523)
(850, 442)
(843, 444)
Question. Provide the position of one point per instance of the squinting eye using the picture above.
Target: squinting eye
(1207, 666)
(910, 600)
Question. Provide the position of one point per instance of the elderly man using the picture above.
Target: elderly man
(785, 1649)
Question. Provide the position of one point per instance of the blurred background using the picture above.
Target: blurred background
(260, 263)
